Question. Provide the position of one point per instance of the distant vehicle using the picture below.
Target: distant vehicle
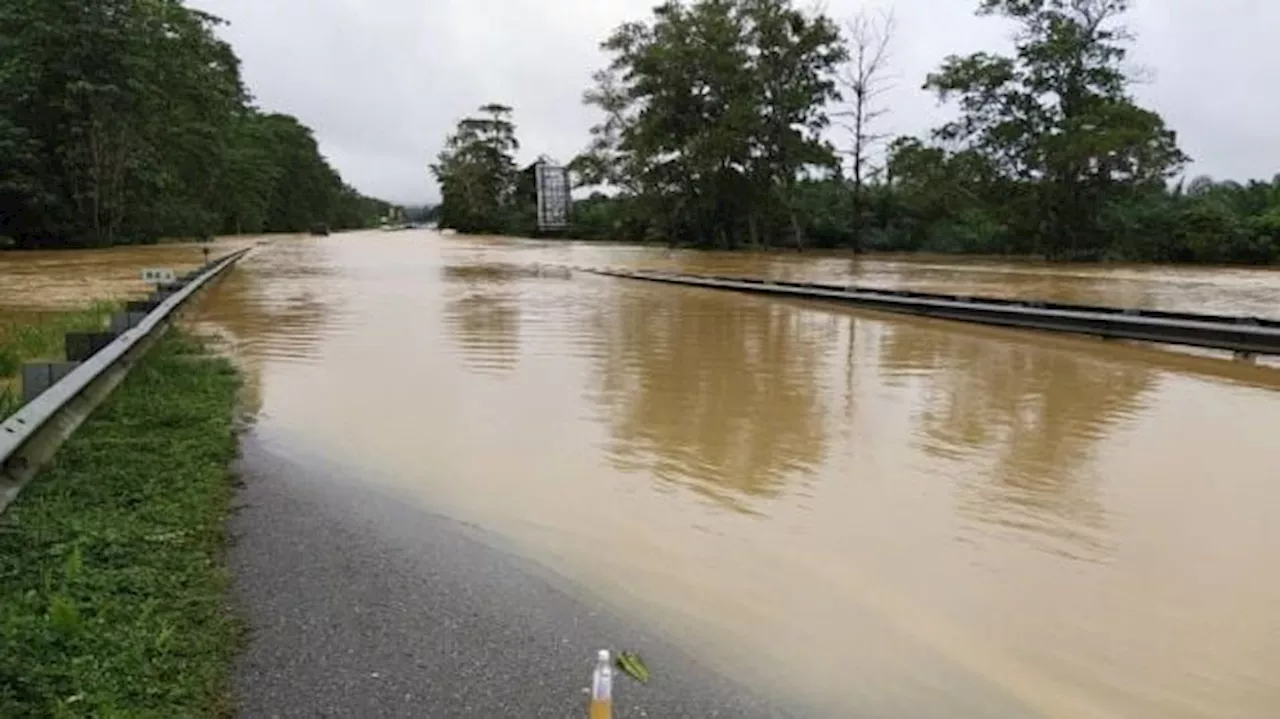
(320, 229)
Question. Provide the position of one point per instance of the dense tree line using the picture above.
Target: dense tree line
(127, 120)
(716, 116)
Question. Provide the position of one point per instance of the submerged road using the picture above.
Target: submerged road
(468, 471)
(365, 606)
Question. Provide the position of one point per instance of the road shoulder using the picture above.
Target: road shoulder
(365, 605)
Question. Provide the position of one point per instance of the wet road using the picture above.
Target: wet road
(880, 516)
(363, 605)
(891, 516)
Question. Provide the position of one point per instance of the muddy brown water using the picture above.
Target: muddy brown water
(50, 281)
(890, 516)
(36, 284)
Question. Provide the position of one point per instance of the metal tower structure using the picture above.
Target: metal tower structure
(553, 195)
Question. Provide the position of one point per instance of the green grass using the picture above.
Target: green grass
(113, 580)
(42, 338)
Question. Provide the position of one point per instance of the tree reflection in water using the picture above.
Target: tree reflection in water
(713, 391)
(1033, 410)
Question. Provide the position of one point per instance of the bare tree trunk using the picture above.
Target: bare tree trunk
(797, 234)
(864, 79)
(120, 161)
(859, 142)
(96, 176)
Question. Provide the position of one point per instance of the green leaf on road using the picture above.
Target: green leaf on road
(633, 665)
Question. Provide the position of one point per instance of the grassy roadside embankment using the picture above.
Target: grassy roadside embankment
(113, 580)
(42, 339)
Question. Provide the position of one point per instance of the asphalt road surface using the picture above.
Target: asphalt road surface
(364, 605)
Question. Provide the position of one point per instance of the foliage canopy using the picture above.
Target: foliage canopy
(127, 120)
(714, 124)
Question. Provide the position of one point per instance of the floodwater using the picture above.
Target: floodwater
(53, 280)
(1179, 288)
(881, 515)
(35, 283)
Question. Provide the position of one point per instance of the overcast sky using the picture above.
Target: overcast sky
(383, 81)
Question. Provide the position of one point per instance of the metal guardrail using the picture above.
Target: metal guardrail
(29, 437)
(1242, 335)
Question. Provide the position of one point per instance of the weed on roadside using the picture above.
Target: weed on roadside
(42, 338)
(113, 580)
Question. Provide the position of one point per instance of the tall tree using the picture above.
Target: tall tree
(712, 111)
(795, 60)
(305, 187)
(1057, 116)
(477, 172)
(127, 120)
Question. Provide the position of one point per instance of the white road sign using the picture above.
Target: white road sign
(158, 275)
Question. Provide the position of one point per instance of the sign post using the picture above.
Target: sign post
(158, 275)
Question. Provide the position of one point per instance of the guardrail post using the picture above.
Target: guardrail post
(165, 291)
(143, 306)
(122, 322)
(40, 376)
(83, 345)
(58, 396)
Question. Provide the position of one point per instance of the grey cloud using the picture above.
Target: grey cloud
(383, 81)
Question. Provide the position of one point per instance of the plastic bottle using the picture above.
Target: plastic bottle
(602, 687)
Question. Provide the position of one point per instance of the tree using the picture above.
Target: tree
(305, 187)
(127, 120)
(713, 114)
(117, 102)
(250, 171)
(1057, 117)
(713, 110)
(945, 202)
(864, 80)
(477, 172)
(796, 57)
